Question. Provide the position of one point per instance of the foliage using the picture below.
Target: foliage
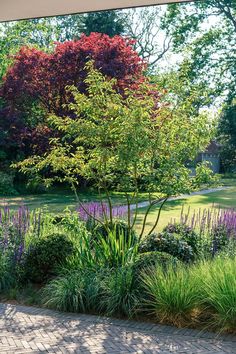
(45, 76)
(139, 143)
(13, 230)
(169, 243)
(114, 251)
(173, 294)
(6, 275)
(186, 233)
(227, 136)
(35, 84)
(47, 253)
(107, 22)
(209, 49)
(112, 278)
(118, 228)
(216, 229)
(76, 291)
(7, 184)
(120, 292)
(13, 35)
(219, 292)
(145, 261)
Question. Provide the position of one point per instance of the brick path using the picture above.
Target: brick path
(33, 330)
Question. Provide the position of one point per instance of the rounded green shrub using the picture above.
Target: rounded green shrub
(185, 233)
(47, 253)
(167, 242)
(7, 184)
(153, 259)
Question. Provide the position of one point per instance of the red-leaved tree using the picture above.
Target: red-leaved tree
(43, 77)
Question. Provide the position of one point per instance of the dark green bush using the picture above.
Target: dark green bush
(219, 239)
(7, 184)
(155, 258)
(6, 276)
(167, 242)
(47, 253)
(186, 233)
(119, 227)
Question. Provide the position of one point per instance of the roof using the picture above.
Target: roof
(11, 10)
(213, 148)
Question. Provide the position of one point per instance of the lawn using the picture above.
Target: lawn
(172, 209)
(58, 201)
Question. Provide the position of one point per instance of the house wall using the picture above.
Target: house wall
(214, 160)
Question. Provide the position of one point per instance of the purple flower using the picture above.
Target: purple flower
(100, 210)
(208, 220)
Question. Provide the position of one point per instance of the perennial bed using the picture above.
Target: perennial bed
(180, 276)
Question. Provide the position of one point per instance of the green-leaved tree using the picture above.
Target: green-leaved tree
(123, 142)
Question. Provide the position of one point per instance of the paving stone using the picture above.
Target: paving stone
(34, 330)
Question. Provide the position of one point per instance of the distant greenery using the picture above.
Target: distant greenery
(227, 136)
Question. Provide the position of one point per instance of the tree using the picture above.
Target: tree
(40, 33)
(107, 22)
(41, 76)
(122, 143)
(209, 49)
(144, 26)
(227, 136)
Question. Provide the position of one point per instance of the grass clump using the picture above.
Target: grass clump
(75, 292)
(173, 294)
(219, 292)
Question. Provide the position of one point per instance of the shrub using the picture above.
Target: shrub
(185, 233)
(167, 242)
(219, 239)
(173, 295)
(219, 292)
(7, 184)
(6, 278)
(147, 260)
(76, 291)
(47, 253)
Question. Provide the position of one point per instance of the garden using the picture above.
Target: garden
(101, 210)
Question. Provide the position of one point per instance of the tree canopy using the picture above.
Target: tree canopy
(43, 76)
(210, 50)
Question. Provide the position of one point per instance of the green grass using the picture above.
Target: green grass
(203, 294)
(173, 294)
(58, 201)
(219, 292)
(172, 209)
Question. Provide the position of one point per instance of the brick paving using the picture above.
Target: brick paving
(34, 330)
